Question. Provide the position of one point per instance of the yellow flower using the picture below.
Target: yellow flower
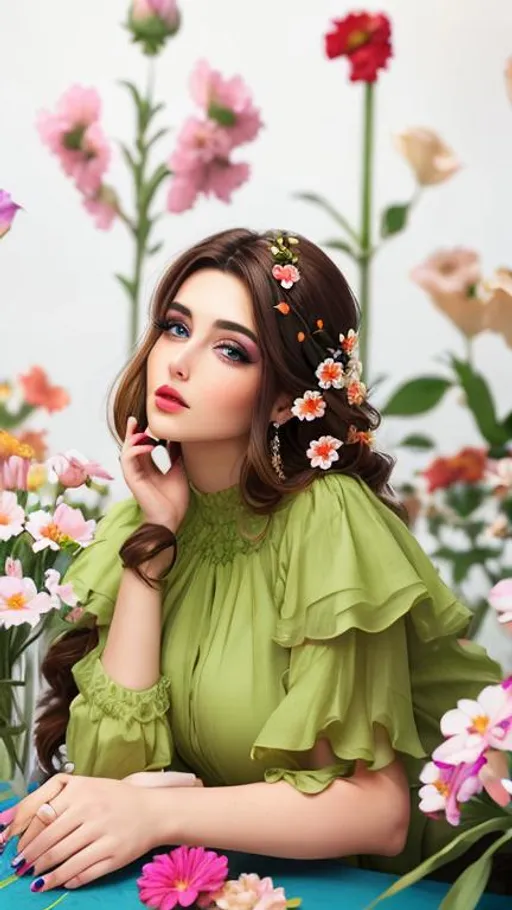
(37, 477)
(5, 391)
(9, 445)
(430, 159)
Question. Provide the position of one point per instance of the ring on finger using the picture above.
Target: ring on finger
(46, 813)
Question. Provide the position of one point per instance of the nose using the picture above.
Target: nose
(179, 368)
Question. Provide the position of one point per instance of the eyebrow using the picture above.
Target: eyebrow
(219, 323)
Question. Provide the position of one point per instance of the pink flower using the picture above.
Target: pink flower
(13, 567)
(310, 407)
(12, 517)
(166, 10)
(20, 603)
(250, 892)
(65, 527)
(74, 134)
(287, 275)
(72, 469)
(8, 210)
(152, 22)
(445, 787)
(500, 598)
(64, 593)
(322, 452)
(200, 164)
(14, 473)
(181, 877)
(226, 101)
(103, 206)
(499, 475)
(475, 726)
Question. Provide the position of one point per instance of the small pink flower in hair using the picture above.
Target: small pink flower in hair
(330, 373)
(287, 275)
(356, 392)
(349, 341)
(323, 452)
(310, 407)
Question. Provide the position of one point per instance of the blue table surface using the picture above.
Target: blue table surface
(322, 885)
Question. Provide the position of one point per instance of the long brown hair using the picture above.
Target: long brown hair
(322, 294)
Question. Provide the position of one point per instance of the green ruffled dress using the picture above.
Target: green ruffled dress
(325, 620)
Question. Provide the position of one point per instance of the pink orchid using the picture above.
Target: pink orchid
(226, 101)
(250, 892)
(13, 567)
(64, 593)
(72, 469)
(65, 527)
(8, 210)
(475, 726)
(14, 473)
(12, 516)
(500, 598)
(447, 786)
(74, 134)
(181, 877)
(20, 603)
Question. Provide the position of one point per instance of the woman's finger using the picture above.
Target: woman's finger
(90, 863)
(59, 852)
(38, 825)
(26, 810)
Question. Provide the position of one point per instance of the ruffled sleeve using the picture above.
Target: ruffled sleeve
(112, 731)
(372, 632)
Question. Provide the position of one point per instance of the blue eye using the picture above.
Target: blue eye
(233, 353)
(172, 327)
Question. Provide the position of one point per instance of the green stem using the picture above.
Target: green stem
(366, 226)
(469, 351)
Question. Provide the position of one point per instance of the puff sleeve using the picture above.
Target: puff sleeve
(112, 731)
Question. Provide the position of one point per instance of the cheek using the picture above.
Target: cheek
(232, 399)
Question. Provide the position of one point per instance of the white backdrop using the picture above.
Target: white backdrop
(60, 305)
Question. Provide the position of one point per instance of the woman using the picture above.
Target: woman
(259, 614)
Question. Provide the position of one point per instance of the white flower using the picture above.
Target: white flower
(20, 603)
(322, 452)
(476, 725)
(12, 516)
(64, 593)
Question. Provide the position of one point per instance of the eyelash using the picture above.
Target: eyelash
(165, 325)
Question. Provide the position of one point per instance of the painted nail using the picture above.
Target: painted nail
(18, 860)
(24, 869)
(37, 884)
(2, 826)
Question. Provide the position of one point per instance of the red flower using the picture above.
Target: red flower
(38, 392)
(365, 38)
(468, 466)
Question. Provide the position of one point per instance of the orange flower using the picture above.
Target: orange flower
(356, 392)
(349, 342)
(9, 446)
(354, 436)
(310, 407)
(322, 452)
(39, 393)
(36, 440)
(468, 466)
(283, 307)
(300, 336)
(330, 373)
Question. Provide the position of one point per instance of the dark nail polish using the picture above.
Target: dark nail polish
(25, 869)
(37, 884)
(2, 827)
(18, 861)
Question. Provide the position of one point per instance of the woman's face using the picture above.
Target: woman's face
(208, 356)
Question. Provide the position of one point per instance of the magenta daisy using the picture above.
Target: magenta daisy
(182, 877)
(323, 452)
(310, 407)
(330, 373)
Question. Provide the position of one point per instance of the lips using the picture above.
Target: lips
(166, 393)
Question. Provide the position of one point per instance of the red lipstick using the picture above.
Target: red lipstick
(169, 400)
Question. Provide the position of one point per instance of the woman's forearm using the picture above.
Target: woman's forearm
(132, 652)
(368, 814)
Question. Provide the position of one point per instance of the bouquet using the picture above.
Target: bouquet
(40, 533)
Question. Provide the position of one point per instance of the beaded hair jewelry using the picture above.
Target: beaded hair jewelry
(340, 369)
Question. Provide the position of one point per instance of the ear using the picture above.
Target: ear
(282, 411)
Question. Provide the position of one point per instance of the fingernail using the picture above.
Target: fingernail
(37, 884)
(24, 869)
(18, 860)
(2, 826)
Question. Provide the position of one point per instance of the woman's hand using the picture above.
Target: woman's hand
(100, 825)
(163, 498)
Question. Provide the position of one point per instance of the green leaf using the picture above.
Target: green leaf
(150, 187)
(137, 97)
(158, 135)
(128, 285)
(222, 115)
(465, 498)
(394, 219)
(128, 157)
(470, 885)
(156, 248)
(480, 402)
(417, 396)
(417, 441)
(455, 848)
(330, 210)
(340, 245)
(9, 421)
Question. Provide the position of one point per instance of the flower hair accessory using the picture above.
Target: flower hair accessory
(340, 370)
